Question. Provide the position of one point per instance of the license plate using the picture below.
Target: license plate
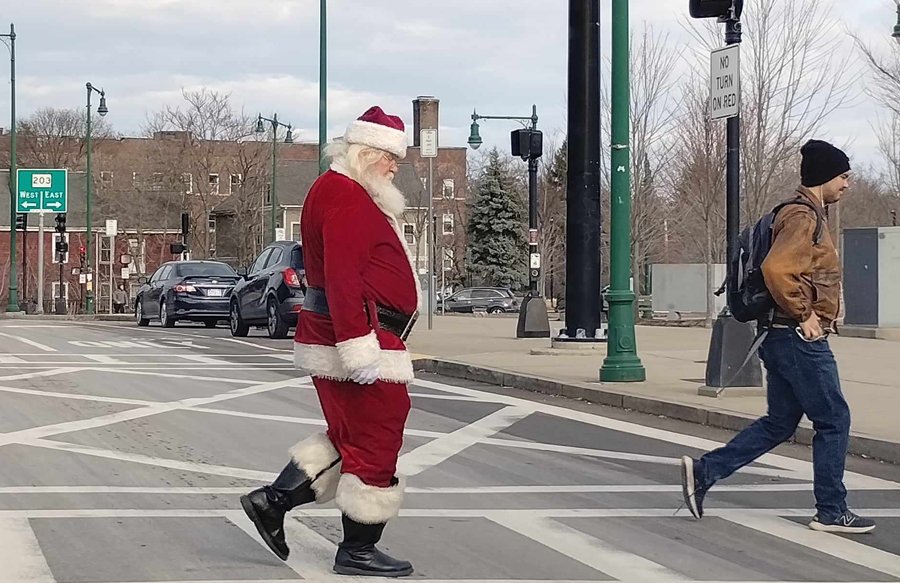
(214, 293)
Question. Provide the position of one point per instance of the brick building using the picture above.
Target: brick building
(146, 183)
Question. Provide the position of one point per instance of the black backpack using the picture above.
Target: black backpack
(748, 298)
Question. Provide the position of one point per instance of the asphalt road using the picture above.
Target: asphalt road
(123, 451)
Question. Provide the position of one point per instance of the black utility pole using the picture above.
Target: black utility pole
(583, 264)
(727, 364)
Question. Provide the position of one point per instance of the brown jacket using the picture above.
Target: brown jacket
(801, 276)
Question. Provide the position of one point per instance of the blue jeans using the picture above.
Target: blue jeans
(802, 378)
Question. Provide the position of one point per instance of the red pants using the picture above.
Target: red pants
(365, 424)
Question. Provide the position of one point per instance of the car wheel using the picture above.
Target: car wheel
(496, 310)
(236, 323)
(210, 323)
(275, 324)
(139, 313)
(164, 319)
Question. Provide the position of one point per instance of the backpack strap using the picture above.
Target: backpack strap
(820, 221)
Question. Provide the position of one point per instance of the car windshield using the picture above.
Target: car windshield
(204, 270)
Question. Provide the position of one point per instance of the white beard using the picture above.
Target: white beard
(385, 194)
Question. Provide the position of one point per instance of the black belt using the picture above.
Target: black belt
(779, 322)
(393, 321)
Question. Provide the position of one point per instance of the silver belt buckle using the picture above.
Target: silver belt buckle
(409, 326)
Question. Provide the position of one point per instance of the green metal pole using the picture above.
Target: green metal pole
(89, 296)
(12, 304)
(274, 197)
(323, 90)
(622, 363)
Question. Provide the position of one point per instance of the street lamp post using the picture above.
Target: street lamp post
(288, 139)
(896, 33)
(323, 88)
(622, 363)
(102, 110)
(12, 304)
(527, 144)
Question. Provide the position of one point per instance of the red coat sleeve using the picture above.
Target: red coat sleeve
(347, 248)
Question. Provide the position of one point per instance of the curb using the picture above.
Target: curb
(861, 445)
(67, 318)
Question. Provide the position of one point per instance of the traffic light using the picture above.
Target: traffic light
(61, 223)
(21, 221)
(82, 256)
(715, 8)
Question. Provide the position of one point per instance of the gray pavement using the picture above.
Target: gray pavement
(123, 451)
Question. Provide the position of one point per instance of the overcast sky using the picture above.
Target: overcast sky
(497, 55)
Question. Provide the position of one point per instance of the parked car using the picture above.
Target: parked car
(271, 291)
(196, 291)
(494, 300)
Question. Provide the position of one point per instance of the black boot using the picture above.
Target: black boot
(267, 506)
(357, 555)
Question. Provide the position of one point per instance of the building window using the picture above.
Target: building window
(136, 179)
(214, 184)
(236, 181)
(187, 181)
(54, 290)
(448, 224)
(106, 178)
(409, 233)
(105, 249)
(157, 181)
(138, 252)
(447, 265)
(295, 231)
(424, 183)
(448, 189)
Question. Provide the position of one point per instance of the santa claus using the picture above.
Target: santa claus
(362, 300)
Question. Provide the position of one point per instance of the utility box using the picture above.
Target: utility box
(872, 277)
(682, 287)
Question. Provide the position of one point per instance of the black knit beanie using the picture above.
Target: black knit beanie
(821, 163)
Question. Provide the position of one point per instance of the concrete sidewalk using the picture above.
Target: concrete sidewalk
(485, 348)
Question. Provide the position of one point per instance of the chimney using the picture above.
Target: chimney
(425, 116)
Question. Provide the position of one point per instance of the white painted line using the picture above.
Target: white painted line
(200, 468)
(76, 396)
(302, 420)
(103, 359)
(286, 357)
(20, 553)
(259, 346)
(312, 556)
(42, 373)
(836, 546)
(105, 490)
(30, 342)
(43, 431)
(588, 550)
(6, 359)
(735, 513)
(7, 326)
(794, 468)
(144, 372)
(439, 450)
(205, 360)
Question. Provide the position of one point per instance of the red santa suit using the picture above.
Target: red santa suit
(353, 249)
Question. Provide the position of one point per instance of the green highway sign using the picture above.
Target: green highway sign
(42, 191)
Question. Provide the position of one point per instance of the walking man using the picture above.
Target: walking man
(361, 302)
(804, 278)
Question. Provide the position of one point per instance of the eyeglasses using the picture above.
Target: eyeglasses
(390, 157)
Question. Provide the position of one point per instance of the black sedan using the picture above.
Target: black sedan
(271, 291)
(196, 291)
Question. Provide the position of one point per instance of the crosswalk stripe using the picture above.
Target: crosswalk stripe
(20, 553)
(10, 359)
(836, 546)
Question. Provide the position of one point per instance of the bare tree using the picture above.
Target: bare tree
(56, 138)
(208, 131)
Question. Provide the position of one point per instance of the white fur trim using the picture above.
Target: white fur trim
(316, 455)
(326, 486)
(369, 504)
(395, 366)
(359, 352)
(376, 136)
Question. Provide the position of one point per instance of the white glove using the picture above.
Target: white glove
(366, 375)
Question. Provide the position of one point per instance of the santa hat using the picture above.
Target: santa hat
(378, 130)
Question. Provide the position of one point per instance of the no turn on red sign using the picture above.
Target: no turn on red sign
(725, 82)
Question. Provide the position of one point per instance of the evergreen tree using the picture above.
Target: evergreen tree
(498, 250)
